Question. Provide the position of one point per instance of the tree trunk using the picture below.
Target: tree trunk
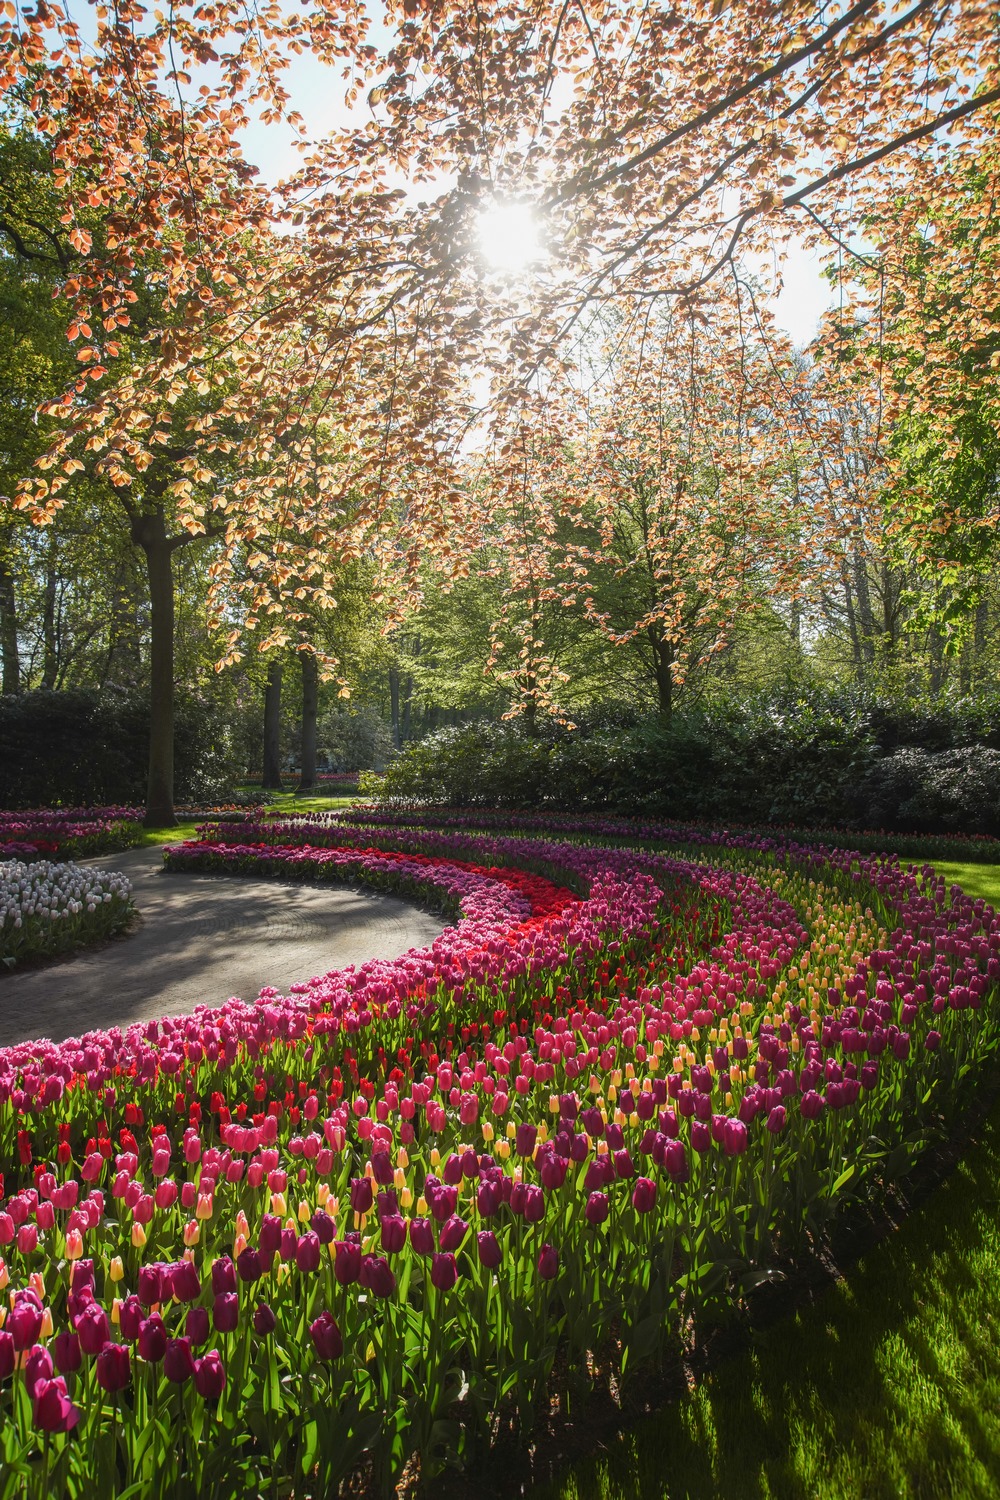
(150, 533)
(310, 708)
(50, 644)
(407, 704)
(271, 780)
(394, 704)
(11, 682)
(663, 658)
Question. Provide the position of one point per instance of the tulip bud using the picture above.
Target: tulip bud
(326, 1337)
(548, 1259)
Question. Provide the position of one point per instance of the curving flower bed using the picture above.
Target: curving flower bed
(47, 909)
(68, 833)
(256, 1248)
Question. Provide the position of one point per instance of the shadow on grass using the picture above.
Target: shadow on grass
(888, 1385)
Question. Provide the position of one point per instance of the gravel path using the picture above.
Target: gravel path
(201, 939)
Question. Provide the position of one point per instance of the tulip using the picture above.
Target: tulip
(326, 1337)
(644, 1195)
(307, 1252)
(393, 1234)
(223, 1276)
(488, 1246)
(270, 1235)
(776, 1119)
(178, 1363)
(184, 1281)
(347, 1262)
(264, 1321)
(152, 1339)
(210, 1376)
(93, 1329)
(376, 1276)
(24, 1322)
(226, 1312)
(113, 1368)
(150, 1285)
(525, 1138)
(452, 1233)
(116, 1270)
(597, 1208)
(421, 1236)
(548, 1259)
(362, 1197)
(444, 1272)
(52, 1410)
(130, 1316)
(196, 1326)
(249, 1266)
(37, 1367)
(932, 1041)
(68, 1354)
(735, 1137)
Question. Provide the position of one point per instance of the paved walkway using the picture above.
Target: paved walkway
(201, 939)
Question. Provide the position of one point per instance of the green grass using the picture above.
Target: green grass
(977, 880)
(886, 1388)
(285, 802)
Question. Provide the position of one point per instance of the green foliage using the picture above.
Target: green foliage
(793, 756)
(87, 747)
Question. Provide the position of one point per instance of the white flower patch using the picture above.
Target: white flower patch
(46, 907)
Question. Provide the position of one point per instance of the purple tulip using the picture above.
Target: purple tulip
(130, 1315)
(422, 1236)
(37, 1367)
(150, 1285)
(68, 1354)
(393, 1234)
(452, 1233)
(264, 1321)
(226, 1312)
(223, 1276)
(444, 1272)
(307, 1252)
(932, 1041)
(811, 1105)
(114, 1368)
(185, 1283)
(8, 1355)
(548, 1259)
(735, 1137)
(324, 1226)
(347, 1262)
(525, 1138)
(210, 1376)
(197, 1326)
(376, 1276)
(644, 1195)
(326, 1337)
(24, 1322)
(488, 1246)
(701, 1137)
(178, 1361)
(598, 1208)
(93, 1329)
(270, 1235)
(776, 1119)
(487, 1198)
(52, 1410)
(361, 1194)
(152, 1339)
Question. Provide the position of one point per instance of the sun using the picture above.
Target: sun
(509, 236)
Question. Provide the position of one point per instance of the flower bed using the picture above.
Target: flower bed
(47, 909)
(68, 833)
(260, 1246)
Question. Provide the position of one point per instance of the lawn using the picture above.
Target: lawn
(887, 1386)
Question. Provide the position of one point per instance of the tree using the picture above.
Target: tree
(658, 146)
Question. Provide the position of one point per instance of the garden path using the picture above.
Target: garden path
(201, 939)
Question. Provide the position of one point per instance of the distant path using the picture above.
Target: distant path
(202, 939)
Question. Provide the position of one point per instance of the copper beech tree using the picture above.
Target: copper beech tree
(662, 149)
